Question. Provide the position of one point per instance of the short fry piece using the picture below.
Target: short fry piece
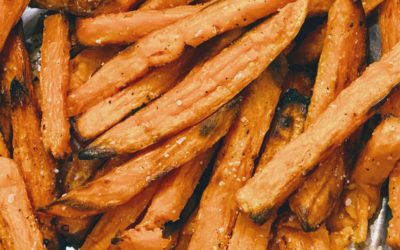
(393, 237)
(127, 27)
(54, 82)
(203, 92)
(152, 50)
(18, 227)
(263, 193)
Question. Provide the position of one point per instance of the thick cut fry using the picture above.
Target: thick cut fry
(362, 198)
(163, 4)
(113, 188)
(116, 220)
(87, 62)
(78, 7)
(167, 204)
(127, 27)
(54, 82)
(290, 236)
(342, 60)
(167, 44)
(18, 227)
(201, 93)
(283, 174)
(115, 6)
(10, 13)
(218, 209)
(3, 147)
(393, 237)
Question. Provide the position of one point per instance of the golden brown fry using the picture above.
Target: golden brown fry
(18, 227)
(283, 174)
(127, 27)
(116, 220)
(87, 62)
(77, 7)
(393, 234)
(163, 4)
(171, 197)
(342, 60)
(186, 232)
(362, 198)
(204, 91)
(115, 6)
(10, 13)
(167, 44)
(113, 188)
(54, 82)
(3, 147)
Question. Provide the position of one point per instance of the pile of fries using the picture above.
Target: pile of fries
(219, 124)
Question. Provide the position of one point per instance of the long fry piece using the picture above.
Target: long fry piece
(332, 127)
(54, 82)
(166, 45)
(18, 227)
(202, 93)
(127, 27)
(342, 60)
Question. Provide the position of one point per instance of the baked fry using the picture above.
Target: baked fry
(215, 83)
(393, 234)
(116, 220)
(18, 227)
(341, 62)
(78, 7)
(163, 4)
(10, 13)
(263, 193)
(54, 82)
(167, 44)
(127, 27)
(113, 189)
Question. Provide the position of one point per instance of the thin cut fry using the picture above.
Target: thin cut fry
(263, 193)
(203, 92)
(341, 62)
(393, 234)
(113, 188)
(167, 44)
(163, 4)
(173, 193)
(10, 13)
(54, 82)
(18, 227)
(127, 27)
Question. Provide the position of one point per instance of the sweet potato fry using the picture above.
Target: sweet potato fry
(18, 227)
(167, 44)
(77, 7)
(186, 232)
(201, 93)
(115, 6)
(128, 27)
(3, 147)
(362, 198)
(117, 220)
(54, 82)
(113, 188)
(163, 4)
(218, 209)
(173, 193)
(319, 7)
(393, 234)
(10, 13)
(263, 193)
(341, 62)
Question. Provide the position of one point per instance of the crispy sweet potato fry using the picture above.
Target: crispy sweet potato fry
(54, 82)
(393, 234)
(263, 193)
(113, 188)
(342, 60)
(163, 4)
(167, 44)
(201, 93)
(115, 6)
(10, 13)
(18, 227)
(362, 198)
(128, 27)
(78, 7)
(218, 209)
(117, 220)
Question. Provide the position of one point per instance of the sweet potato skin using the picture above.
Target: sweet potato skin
(393, 234)
(201, 93)
(306, 151)
(151, 50)
(18, 227)
(54, 82)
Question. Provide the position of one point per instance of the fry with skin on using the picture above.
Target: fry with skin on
(127, 27)
(166, 45)
(342, 60)
(163, 4)
(393, 234)
(204, 91)
(262, 193)
(54, 82)
(171, 197)
(18, 227)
